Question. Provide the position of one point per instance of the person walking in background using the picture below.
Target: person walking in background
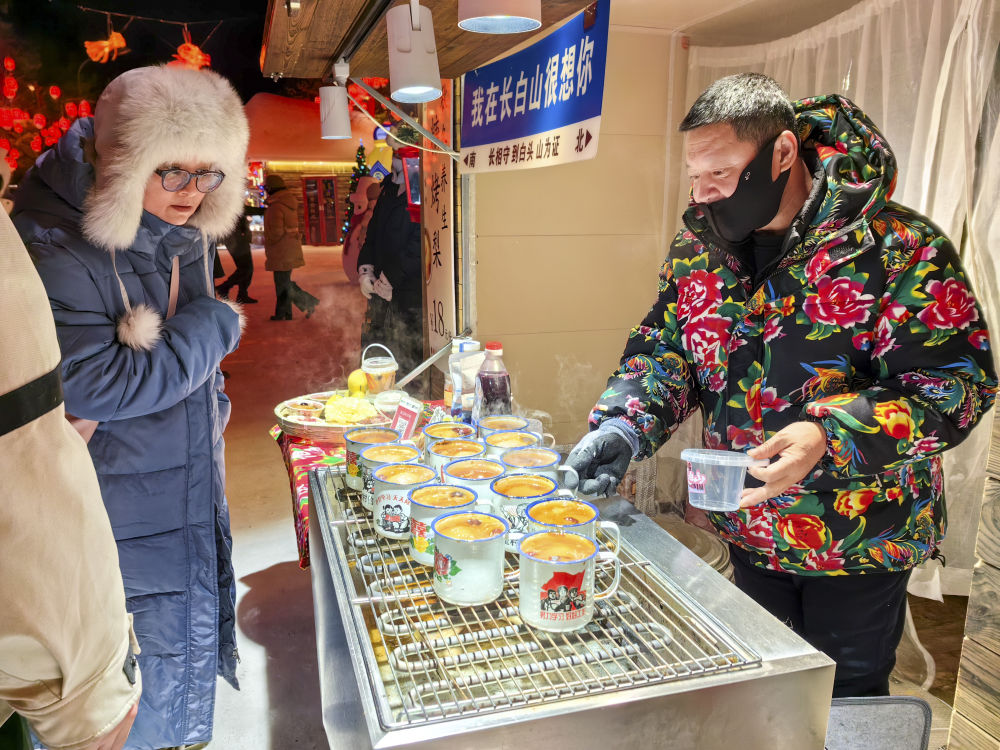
(238, 245)
(120, 219)
(283, 249)
(389, 273)
(73, 678)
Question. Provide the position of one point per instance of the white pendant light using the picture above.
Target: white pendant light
(414, 75)
(334, 113)
(499, 16)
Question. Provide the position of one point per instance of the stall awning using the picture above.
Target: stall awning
(283, 129)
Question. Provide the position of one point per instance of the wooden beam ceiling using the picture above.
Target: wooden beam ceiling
(301, 46)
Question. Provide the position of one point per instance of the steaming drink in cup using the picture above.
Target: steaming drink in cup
(469, 557)
(553, 547)
(391, 490)
(475, 468)
(471, 527)
(377, 455)
(449, 449)
(357, 440)
(427, 503)
(557, 577)
(538, 460)
(512, 494)
(574, 516)
(563, 512)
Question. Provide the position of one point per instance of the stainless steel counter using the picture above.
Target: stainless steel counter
(779, 699)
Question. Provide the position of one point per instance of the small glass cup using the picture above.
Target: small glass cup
(556, 580)
(475, 474)
(445, 451)
(574, 516)
(538, 460)
(469, 557)
(392, 486)
(511, 496)
(356, 440)
(428, 502)
(379, 455)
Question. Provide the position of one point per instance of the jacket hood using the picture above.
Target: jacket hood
(151, 116)
(859, 167)
(284, 197)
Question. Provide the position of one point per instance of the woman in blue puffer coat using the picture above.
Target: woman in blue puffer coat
(121, 220)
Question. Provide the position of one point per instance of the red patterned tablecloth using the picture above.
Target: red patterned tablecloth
(301, 455)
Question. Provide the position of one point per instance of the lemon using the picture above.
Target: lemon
(357, 383)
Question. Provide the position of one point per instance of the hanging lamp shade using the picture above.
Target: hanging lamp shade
(334, 113)
(414, 75)
(499, 16)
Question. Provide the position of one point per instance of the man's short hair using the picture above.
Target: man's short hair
(752, 103)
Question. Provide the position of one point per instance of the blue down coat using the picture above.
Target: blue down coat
(158, 449)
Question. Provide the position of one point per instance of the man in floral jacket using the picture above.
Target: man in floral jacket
(820, 325)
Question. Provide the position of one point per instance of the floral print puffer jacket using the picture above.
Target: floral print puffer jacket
(866, 325)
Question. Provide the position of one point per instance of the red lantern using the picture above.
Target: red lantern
(39, 121)
(71, 110)
(5, 144)
(6, 118)
(84, 109)
(9, 87)
(18, 127)
(8, 64)
(36, 144)
(63, 124)
(14, 154)
(55, 92)
(20, 114)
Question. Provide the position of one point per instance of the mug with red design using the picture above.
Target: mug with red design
(468, 557)
(557, 574)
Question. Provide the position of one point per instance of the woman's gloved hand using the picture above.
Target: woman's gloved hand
(601, 458)
(366, 280)
(383, 288)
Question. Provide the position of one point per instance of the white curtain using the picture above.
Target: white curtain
(926, 72)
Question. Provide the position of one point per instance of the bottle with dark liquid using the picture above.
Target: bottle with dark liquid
(492, 385)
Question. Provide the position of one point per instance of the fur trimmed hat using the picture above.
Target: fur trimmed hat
(158, 115)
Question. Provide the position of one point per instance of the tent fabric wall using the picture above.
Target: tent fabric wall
(926, 72)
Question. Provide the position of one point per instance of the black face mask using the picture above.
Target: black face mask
(753, 204)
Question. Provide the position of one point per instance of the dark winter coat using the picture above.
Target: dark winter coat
(866, 325)
(392, 246)
(158, 449)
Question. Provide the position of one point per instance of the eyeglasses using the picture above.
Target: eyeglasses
(177, 179)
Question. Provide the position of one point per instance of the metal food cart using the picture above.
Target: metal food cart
(677, 658)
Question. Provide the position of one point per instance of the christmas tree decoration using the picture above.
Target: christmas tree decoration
(106, 49)
(189, 55)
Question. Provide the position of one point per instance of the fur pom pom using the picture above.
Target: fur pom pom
(237, 308)
(140, 329)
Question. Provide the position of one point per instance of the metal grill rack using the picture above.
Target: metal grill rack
(428, 661)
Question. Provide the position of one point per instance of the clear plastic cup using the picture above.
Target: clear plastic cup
(715, 478)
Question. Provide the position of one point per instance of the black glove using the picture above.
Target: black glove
(601, 459)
